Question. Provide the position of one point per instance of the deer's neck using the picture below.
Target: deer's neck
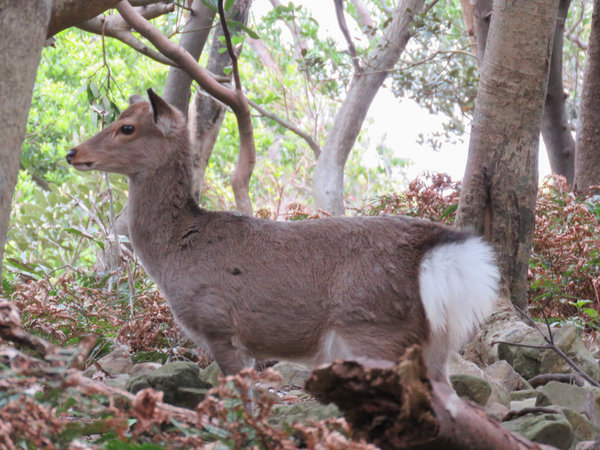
(161, 207)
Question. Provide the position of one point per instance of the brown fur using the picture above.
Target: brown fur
(250, 288)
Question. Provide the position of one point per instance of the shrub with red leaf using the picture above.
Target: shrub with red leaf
(565, 264)
(434, 196)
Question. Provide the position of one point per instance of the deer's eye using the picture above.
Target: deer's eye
(127, 129)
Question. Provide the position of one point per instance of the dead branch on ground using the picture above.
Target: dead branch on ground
(397, 406)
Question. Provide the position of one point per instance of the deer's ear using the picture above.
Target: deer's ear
(162, 113)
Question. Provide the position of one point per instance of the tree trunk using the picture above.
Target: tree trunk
(556, 130)
(482, 12)
(195, 34)
(500, 184)
(587, 162)
(328, 182)
(22, 34)
(206, 114)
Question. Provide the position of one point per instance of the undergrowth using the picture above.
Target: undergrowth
(41, 406)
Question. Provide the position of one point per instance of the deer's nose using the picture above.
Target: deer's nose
(71, 154)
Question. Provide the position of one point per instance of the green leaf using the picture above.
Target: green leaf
(229, 4)
(212, 4)
(253, 34)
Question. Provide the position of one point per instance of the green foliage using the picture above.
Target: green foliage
(439, 69)
(565, 264)
(62, 227)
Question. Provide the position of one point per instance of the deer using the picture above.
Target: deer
(309, 291)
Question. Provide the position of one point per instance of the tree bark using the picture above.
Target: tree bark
(396, 406)
(206, 114)
(22, 34)
(556, 130)
(500, 184)
(193, 39)
(587, 162)
(328, 182)
(69, 13)
(482, 12)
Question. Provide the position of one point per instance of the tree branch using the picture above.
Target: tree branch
(235, 99)
(309, 140)
(232, 54)
(339, 13)
(398, 406)
(114, 26)
(69, 13)
(551, 345)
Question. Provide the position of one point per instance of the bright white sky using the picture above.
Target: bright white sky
(398, 121)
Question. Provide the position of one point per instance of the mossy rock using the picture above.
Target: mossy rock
(179, 381)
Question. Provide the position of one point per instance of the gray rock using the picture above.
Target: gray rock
(579, 399)
(117, 362)
(503, 372)
(179, 381)
(144, 368)
(503, 379)
(530, 362)
(288, 415)
(293, 374)
(518, 405)
(496, 410)
(583, 429)
(211, 374)
(552, 429)
(524, 394)
(119, 381)
(472, 387)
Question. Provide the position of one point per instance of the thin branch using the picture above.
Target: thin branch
(550, 341)
(235, 99)
(309, 140)
(115, 27)
(230, 51)
(517, 344)
(341, 19)
(545, 378)
(533, 410)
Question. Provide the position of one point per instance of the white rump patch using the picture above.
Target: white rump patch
(459, 286)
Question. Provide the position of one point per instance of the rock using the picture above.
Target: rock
(119, 381)
(524, 394)
(530, 362)
(583, 429)
(518, 405)
(293, 374)
(496, 410)
(459, 365)
(211, 374)
(567, 338)
(179, 381)
(472, 387)
(579, 399)
(288, 415)
(144, 368)
(552, 429)
(115, 363)
(503, 379)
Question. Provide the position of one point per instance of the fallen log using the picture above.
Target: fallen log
(396, 406)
